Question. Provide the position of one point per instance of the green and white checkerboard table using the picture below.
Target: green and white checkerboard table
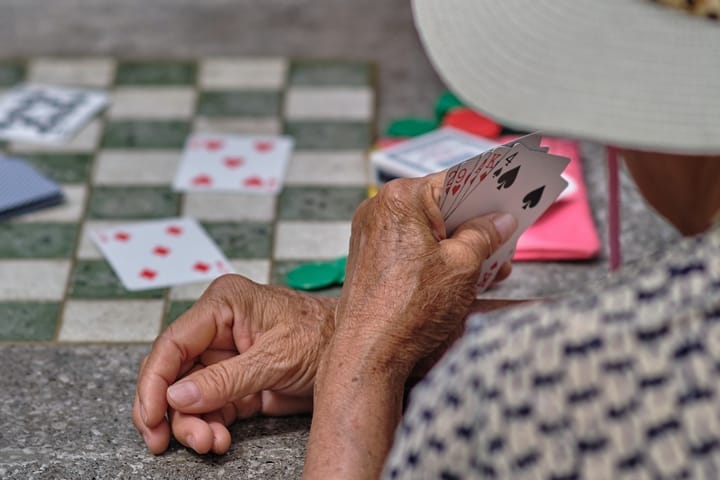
(54, 284)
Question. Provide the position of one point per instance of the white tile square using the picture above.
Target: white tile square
(136, 167)
(311, 240)
(238, 126)
(220, 206)
(85, 141)
(111, 321)
(243, 73)
(69, 211)
(329, 103)
(256, 270)
(152, 103)
(33, 279)
(73, 72)
(339, 168)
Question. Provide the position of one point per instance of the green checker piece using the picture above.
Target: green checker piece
(156, 73)
(410, 127)
(312, 276)
(340, 267)
(446, 102)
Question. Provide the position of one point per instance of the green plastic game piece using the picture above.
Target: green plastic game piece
(340, 266)
(312, 276)
(410, 127)
(446, 102)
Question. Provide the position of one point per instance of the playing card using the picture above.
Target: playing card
(24, 189)
(254, 164)
(44, 114)
(161, 253)
(425, 154)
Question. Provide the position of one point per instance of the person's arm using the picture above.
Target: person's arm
(408, 290)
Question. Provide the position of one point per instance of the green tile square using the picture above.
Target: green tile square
(156, 73)
(146, 134)
(11, 73)
(176, 308)
(129, 202)
(95, 279)
(62, 167)
(28, 321)
(330, 135)
(242, 240)
(342, 74)
(282, 267)
(37, 240)
(239, 104)
(320, 203)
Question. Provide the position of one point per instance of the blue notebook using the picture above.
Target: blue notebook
(24, 189)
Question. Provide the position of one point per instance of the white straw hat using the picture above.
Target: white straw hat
(630, 73)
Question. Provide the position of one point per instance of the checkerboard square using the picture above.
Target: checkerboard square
(129, 202)
(28, 321)
(174, 310)
(239, 104)
(11, 73)
(155, 73)
(95, 279)
(329, 103)
(256, 270)
(62, 167)
(339, 168)
(238, 125)
(242, 73)
(111, 321)
(85, 141)
(323, 73)
(311, 240)
(37, 240)
(241, 240)
(146, 134)
(320, 203)
(33, 279)
(136, 167)
(317, 135)
(212, 206)
(72, 72)
(152, 103)
(71, 210)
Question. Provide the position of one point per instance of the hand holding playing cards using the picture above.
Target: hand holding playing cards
(407, 292)
(242, 349)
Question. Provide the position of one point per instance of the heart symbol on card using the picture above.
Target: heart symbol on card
(122, 236)
(201, 267)
(174, 230)
(456, 188)
(214, 145)
(253, 182)
(161, 251)
(201, 180)
(234, 162)
(263, 146)
(148, 274)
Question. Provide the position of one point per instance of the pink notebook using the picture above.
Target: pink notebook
(566, 231)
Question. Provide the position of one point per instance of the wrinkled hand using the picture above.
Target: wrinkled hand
(407, 282)
(242, 349)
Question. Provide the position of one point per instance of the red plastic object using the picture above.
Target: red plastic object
(472, 122)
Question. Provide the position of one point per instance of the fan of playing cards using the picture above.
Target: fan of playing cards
(519, 178)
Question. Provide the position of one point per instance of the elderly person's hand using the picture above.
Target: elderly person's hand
(242, 349)
(407, 292)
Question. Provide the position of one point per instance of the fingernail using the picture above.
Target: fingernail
(143, 415)
(184, 393)
(505, 224)
(190, 440)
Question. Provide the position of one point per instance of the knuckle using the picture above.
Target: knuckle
(221, 378)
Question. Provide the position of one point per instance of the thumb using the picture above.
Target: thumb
(480, 237)
(210, 388)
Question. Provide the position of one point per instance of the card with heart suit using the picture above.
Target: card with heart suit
(161, 253)
(232, 163)
(44, 114)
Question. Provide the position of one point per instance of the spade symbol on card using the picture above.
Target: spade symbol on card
(533, 198)
(508, 178)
